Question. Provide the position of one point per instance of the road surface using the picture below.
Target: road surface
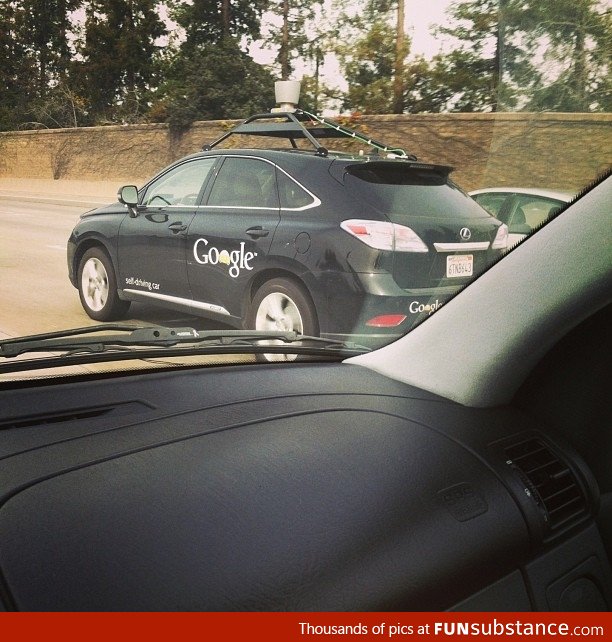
(35, 293)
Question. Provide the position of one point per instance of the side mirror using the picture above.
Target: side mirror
(128, 195)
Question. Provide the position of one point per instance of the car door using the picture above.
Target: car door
(231, 235)
(530, 212)
(152, 245)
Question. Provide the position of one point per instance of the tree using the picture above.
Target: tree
(210, 21)
(374, 63)
(523, 54)
(488, 68)
(207, 75)
(119, 57)
(215, 81)
(36, 53)
(577, 61)
(291, 39)
(368, 71)
(13, 75)
(41, 27)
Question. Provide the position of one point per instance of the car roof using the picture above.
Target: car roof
(297, 156)
(531, 191)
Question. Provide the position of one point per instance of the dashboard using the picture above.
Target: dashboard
(293, 487)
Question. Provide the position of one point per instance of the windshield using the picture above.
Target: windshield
(456, 132)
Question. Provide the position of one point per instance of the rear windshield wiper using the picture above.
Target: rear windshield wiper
(123, 341)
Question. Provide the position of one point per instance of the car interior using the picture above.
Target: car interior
(465, 466)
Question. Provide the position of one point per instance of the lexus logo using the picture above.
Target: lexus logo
(465, 234)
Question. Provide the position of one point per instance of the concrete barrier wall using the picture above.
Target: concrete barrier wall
(558, 151)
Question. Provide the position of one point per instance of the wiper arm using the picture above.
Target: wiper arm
(80, 339)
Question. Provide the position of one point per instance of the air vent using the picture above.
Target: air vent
(550, 481)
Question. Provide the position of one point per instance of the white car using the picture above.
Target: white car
(521, 209)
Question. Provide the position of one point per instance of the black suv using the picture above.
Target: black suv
(337, 244)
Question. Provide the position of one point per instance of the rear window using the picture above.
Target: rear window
(402, 192)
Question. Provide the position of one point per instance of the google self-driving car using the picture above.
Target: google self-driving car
(323, 243)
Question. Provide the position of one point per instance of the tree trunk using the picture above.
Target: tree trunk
(400, 52)
(496, 77)
(580, 69)
(226, 12)
(284, 48)
(318, 60)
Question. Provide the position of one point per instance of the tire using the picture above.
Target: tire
(97, 286)
(282, 305)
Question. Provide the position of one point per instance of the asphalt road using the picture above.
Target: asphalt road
(35, 293)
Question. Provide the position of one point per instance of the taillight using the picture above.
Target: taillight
(384, 236)
(386, 321)
(501, 238)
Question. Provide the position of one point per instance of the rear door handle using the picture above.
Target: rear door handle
(257, 232)
(177, 227)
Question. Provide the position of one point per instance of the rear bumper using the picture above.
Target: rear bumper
(348, 305)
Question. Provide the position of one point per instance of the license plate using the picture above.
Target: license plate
(459, 265)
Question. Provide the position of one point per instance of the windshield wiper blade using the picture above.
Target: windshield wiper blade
(81, 339)
(89, 339)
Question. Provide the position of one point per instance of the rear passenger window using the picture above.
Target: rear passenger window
(292, 196)
(245, 182)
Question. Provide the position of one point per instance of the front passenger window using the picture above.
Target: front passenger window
(181, 186)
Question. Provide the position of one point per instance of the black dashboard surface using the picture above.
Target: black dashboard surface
(286, 487)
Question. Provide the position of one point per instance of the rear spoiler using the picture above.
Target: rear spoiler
(373, 170)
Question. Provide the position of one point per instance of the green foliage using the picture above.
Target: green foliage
(368, 65)
(119, 58)
(35, 56)
(576, 67)
(507, 55)
(374, 59)
(208, 76)
(210, 21)
(485, 63)
(216, 81)
(291, 38)
(11, 69)
(525, 54)
(40, 28)
(69, 63)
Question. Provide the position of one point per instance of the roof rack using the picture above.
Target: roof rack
(293, 128)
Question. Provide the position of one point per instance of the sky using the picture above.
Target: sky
(420, 15)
